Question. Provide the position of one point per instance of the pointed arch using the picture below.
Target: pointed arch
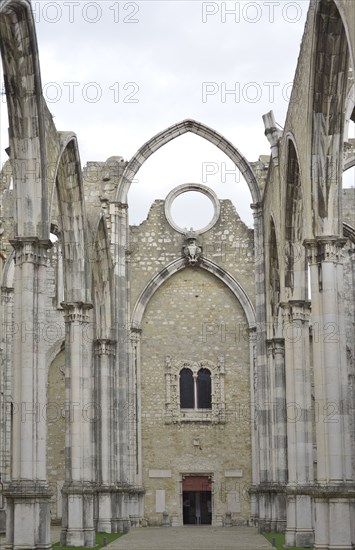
(26, 107)
(274, 269)
(294, 213)
(102, 282)
(179, 129)
(77, 271)
(331, 67)
(176, 266)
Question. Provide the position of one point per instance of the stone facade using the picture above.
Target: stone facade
(99, 319)
(194, 317)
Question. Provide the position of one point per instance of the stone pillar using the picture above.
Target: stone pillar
(136, 463)
(104, 354)
(6, 405)
(335, 490)
(276, 365)
(261, 378)
(280, 434)
(28, 494)
(299, 531)
(78, 490)
(254, 514)
(119, 223)
(124, 522)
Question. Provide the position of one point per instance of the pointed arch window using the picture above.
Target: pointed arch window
(187, 389)
(194, 391)
(204, 389)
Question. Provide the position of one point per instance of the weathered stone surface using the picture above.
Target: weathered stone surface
(95, 328)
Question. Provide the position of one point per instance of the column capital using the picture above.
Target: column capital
(296, 310)
(31, 250)
(104, 346)
(76, 311)
(257, 209)
(325, 249)
(136, 333)
(276, 346)
(7, 293)
(119, 206)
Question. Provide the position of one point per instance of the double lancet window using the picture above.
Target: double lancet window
(194, 391)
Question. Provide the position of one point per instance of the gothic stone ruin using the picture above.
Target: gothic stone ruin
(117, 408)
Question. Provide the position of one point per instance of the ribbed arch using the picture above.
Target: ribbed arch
(179, 129)
(77, 272)
(274, 268)
(102, 281)
(176, 266)
(294, 213)
(19, 52)
(331, 67)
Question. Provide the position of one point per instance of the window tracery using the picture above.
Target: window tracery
(194, 391)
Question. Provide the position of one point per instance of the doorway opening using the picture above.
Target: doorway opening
(196, 500)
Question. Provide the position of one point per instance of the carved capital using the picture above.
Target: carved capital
(104, 346)
(300, 310)
(311, 247)
(331, 249)
(7, 294)
(325, 249)
(257, 209)
(296, 310)
(136, 334)
(31, 250)
(76, 312)
(279, 346)
(276, 346)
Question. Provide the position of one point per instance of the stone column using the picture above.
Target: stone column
(299, 531)
(104, 354)
(78, 490)
(119, 217)
(136, 465)
(254, 433)
(335, 490)
(6, 405)
(280, 434)
(276, 365)
(261, 379)
(28, 494)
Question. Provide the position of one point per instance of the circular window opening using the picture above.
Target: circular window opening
(192, 206)
(192, 210)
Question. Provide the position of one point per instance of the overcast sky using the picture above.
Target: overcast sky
(117, 73)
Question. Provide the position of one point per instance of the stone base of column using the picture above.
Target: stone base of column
(333, 529)
(104, 514)
(254, 506)
(299, 530)
(271, 513)
(123, 525)
(28, 515)
(78, 515)
(264, 523)
(127, 507)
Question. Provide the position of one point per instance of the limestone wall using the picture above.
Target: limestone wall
(194, 316)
